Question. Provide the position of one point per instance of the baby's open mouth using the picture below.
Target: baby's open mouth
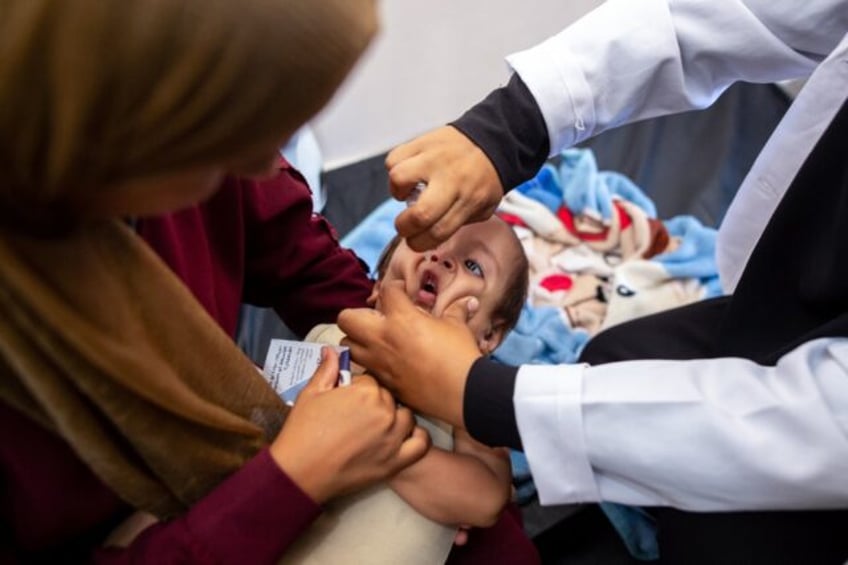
(427, 291)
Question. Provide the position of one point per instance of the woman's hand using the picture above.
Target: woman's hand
(462, 185)
(340, 439)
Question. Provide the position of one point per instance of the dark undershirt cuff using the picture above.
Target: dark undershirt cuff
(488, 405)
(510, 129)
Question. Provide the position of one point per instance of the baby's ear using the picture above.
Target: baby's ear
(371, 301)
(492, 337)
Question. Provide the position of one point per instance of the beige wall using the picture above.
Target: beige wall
(432, 60)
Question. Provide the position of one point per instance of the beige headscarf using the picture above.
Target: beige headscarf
(99, 342)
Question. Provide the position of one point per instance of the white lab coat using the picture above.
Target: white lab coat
(720, 434)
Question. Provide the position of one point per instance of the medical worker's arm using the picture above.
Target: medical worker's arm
(707, 435)
(718, 434)
(623, 62)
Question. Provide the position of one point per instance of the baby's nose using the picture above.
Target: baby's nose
(444, 260)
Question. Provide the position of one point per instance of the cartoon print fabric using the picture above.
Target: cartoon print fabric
(598, 256)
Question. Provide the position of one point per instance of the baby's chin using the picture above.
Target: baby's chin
(423, 309)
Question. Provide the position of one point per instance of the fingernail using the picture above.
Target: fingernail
(415, 193)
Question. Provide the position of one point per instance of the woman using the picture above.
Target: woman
(117, 391)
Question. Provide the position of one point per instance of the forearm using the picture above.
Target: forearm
(253, 516)
(488, 408)
(294, 262)
(708, 435)
(508, 126)
(452, 488)
(627, 61)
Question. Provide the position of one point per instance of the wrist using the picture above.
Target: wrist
(509, 128)
(488, 407)
(310, 478)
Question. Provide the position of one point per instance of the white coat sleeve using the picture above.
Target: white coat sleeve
(708, 435)
(630, 60)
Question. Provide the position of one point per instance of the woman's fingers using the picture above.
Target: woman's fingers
(326, 376)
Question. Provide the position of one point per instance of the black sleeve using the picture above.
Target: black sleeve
(488, 406)
(508, 126)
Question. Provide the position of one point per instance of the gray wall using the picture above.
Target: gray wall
(431, 61)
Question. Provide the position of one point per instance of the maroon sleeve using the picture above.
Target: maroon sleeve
(295, 263)
(252, 517)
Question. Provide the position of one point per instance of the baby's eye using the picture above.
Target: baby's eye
(474, 267)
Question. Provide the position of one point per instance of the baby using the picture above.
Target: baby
(459, 481)
(484, 260)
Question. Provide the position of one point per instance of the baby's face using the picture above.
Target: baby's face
(475, 262)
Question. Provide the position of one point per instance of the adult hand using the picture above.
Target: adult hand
(340, 439)
(423, 359)
(462, 186)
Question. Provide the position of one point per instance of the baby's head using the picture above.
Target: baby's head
(484, 260)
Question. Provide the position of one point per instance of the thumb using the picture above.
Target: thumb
(326, 375)
(462, 310)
